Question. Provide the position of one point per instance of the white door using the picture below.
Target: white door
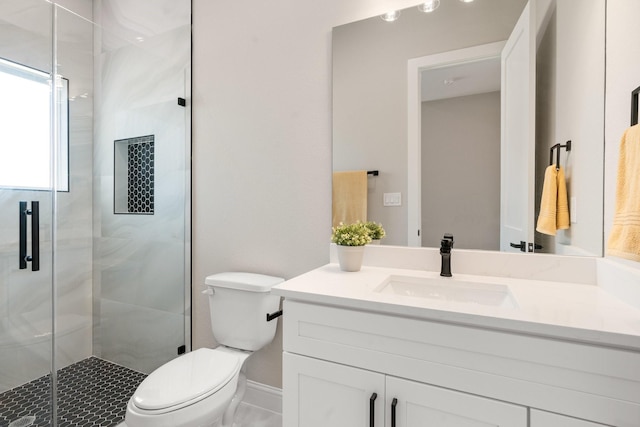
(419, 405)
(518, 135)
(546, 419)
(321, 394)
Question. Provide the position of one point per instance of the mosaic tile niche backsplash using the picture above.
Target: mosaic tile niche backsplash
(134, 175)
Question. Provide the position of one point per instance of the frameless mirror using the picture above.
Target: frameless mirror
(440, 104)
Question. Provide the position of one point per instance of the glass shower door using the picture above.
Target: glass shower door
(26, 212)
(112, 288)
(141, 169)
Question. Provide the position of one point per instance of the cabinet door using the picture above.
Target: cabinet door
(546, 419)
(420, 405)
(323, 394)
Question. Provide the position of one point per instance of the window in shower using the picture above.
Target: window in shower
(134, 175)
(25, 129)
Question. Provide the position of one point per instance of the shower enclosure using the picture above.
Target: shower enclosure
(94, 201)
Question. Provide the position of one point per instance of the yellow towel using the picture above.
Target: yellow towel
(548, 202)
(554, 207)
(624, 240)
(349, 197)
(562, 204)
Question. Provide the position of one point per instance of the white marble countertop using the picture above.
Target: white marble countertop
(581, 312)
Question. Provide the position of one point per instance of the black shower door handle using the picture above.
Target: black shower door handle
(35, 236)
(22, 251)
(34, 258)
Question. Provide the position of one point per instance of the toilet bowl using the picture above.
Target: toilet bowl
(193, 390)
(204, 387)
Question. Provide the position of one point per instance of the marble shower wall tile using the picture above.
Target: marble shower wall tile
(166, 122)
(145, 273)
(125, 22)
(138, 278)
(74, 228)
(138, 337)
(83, 8)
(25, 27)
(24, 291)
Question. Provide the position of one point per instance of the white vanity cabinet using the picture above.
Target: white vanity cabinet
(445, 373)
(320, 394)
(414, 404)
(546, 419)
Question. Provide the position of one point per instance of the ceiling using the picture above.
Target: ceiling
(456, 80)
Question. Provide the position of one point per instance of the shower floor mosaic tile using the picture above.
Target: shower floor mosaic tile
(91, 393)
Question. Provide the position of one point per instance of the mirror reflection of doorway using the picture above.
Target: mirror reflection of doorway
(460, 138)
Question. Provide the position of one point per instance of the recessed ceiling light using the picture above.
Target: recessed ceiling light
(466, 1)
(429, 6)
(391, 16)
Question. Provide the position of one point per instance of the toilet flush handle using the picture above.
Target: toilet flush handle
(208, 291)
(274, 315)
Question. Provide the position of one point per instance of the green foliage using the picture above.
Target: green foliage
(351, 234)
(375, 230)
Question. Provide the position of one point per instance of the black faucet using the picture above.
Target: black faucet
(446, 244)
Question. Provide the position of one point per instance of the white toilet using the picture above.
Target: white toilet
(204, 387)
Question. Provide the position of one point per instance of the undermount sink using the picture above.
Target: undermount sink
(449, 289)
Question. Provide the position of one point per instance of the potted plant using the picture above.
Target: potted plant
(350, 240)
(376, 232)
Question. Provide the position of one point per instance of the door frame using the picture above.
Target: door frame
(415, 67)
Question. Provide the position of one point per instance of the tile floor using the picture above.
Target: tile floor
(94, 393)
(253, 416)
(91, 393)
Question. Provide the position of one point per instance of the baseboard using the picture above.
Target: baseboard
(263, 396)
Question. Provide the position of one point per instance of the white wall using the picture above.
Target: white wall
(262, 143)
(623, 76)
(570, 106)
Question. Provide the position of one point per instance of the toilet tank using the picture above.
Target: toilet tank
(239, 303)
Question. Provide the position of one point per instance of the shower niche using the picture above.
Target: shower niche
(134, 176)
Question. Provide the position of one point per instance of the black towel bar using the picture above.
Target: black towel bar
(634, 106)
(374, 173)
(558, 146)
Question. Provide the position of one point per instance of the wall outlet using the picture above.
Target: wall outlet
(392, 199)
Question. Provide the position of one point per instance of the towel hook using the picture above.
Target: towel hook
(558, 146)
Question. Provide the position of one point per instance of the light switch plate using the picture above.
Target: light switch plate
(392, 199)
(573, 210)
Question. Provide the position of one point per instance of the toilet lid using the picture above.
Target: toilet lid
(195, 374)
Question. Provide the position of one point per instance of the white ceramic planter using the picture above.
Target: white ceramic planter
(350, 257)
